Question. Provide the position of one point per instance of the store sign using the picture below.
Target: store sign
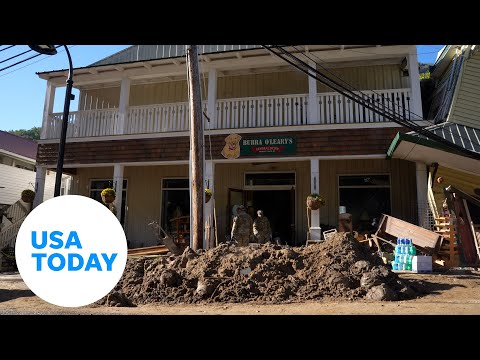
(268, 145)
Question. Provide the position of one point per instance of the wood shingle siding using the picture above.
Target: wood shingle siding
(309, 143)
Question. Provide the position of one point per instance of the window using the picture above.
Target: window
(175, 202)
(96, 187)
(366, 197)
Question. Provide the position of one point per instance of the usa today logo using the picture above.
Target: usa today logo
(71, 251)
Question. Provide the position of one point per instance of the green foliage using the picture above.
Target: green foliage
(33, 133)
(108, 192)
(28, 192)
(425, 76)
(316, 197)
(208, 192)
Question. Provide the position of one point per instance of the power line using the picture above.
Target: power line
(307, 69)
(355, 89)
(22, 61)
(33, 62)
(15, 56)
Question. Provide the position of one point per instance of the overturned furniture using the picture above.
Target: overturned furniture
(390, 228)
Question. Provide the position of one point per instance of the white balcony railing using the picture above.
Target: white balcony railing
(264, 111)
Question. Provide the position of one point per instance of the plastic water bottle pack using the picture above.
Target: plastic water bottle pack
(404, 253)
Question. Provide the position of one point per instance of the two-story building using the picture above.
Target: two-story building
(273, 135)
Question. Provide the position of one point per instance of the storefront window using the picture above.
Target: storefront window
(175, 204)
(366, 197)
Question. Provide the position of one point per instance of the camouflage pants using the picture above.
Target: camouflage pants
(262, 239)
(242, 240)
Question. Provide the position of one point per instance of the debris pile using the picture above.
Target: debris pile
(337, 269)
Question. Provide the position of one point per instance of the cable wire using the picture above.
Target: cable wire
(22, 61)
(432, 122)
(15, 56)
(360, 100)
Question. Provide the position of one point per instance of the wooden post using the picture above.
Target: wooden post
(196, 146)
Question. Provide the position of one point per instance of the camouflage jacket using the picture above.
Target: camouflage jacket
(242, 225)
(261, 226)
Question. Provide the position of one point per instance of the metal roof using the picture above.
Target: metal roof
(18, 145)
(152, 52)
(462, 135)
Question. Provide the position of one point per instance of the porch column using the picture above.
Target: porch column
(118, 187)
(212, 97)
(312, 112)
(39, 186)
(416, 94)
(209, 231)
(315, 230)
(123, 106)
(422, 191)
(47, 108)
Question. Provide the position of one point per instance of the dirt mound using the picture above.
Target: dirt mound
(339, 268)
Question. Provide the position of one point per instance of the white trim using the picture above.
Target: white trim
(123, 104)
(229, 161)
(414, 77)
(273, 129)
(18, 157)
(47, 107)
(312, 115)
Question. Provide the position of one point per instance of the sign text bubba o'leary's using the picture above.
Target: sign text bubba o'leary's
(268, 145)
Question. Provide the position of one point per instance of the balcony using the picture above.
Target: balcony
(234, 113)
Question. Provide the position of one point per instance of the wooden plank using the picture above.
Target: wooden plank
(469, 220)
(422, 238)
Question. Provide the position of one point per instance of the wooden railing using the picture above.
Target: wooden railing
(84, 123)
(158, 118)
(234, 113)
(261, 111)
(334, 108)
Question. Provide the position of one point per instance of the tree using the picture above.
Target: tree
(33, 133)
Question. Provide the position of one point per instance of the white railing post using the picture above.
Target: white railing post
(312, 112)
(39, 185)
(123, 106)
(422, 191)
(47, 108)
(118, 187)
(416, 99)
(315, 230)
(212, 98)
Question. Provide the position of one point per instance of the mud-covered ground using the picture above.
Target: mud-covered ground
(338, 269)
(340, 276)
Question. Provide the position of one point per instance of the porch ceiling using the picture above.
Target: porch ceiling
(229, 63)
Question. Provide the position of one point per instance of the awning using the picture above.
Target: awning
(414, 148)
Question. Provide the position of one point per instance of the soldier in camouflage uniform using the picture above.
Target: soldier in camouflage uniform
(242, 227)
(261, 228)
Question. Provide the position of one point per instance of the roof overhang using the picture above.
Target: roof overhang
(339, 55)
(415, 148)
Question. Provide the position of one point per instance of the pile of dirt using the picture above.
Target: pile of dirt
(337, 269)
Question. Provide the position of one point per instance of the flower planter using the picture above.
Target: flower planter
(108, 199)
(314, 204)
(28, 196)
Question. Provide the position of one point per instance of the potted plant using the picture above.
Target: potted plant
(314, 201)
(108, 195)
(208, 194)
(28, 195)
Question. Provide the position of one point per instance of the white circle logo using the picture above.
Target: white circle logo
(71, 251)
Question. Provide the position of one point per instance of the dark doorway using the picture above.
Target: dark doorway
(278, 206)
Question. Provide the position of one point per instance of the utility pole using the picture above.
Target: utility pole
(196, 147)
